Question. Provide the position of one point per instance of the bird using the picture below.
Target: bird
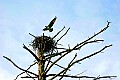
(49, 27)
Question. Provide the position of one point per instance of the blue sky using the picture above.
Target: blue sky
(84, 17)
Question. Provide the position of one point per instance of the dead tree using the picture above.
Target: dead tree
(47, 49)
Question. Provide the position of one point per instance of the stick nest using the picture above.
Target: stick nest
(43, 43)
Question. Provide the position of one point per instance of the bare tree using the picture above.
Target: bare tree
(47, 49)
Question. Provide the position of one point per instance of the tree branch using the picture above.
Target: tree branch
(65, 70)
(91, 54)
(24, 72)
(79, 77)
(77, 61)
(95, 34)
(77, 47)
(66, 52)
(28, 77)
(70, 50)
(19, 67)
(32, 35)
(59, 65)
(62, 35)
(56, 61)
(58, 32)
(31, 53)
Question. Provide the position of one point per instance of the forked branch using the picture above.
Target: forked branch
(59, 32)
(31, 53)
(77, 61)
(19, 67)
(76, 47)
(26, 69)
(67, 52)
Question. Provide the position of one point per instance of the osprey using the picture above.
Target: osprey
(49, 27)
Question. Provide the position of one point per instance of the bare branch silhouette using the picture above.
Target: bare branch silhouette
(48, 55)
(19, 67)
(59, 32)
(77, 61)
(68, 66)
(63, 35)
(31, 53)
(79, 77)
(26, 69)
(67, 52)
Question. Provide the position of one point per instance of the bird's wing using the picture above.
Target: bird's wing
(52, 22)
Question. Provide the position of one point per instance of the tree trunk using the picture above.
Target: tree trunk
(41, 74)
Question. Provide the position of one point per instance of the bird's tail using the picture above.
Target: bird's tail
(45, 28)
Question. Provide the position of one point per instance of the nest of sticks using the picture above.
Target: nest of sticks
(43, 43)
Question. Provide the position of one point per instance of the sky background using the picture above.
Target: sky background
(84, 17)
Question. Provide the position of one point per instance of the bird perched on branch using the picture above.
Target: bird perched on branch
(49, 27)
